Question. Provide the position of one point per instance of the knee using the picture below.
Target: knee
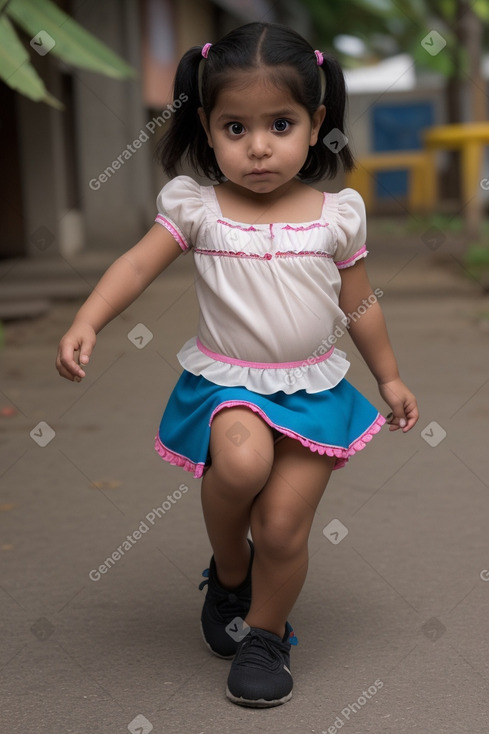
(242, 469)
(281, 534)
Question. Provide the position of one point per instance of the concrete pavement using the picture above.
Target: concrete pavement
(392, 621)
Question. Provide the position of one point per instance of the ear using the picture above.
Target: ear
(316, 122)
(205, 125)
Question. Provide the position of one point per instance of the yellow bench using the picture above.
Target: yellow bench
(470, 139)
(421, 176)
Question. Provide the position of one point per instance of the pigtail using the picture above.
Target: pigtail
(335, 102)
(185, 136)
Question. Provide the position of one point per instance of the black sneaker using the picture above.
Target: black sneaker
(224, 611)
(260, 673)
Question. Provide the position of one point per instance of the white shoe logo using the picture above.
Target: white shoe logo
(288, 671)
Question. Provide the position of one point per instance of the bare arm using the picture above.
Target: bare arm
(122, 283)
(369, 334)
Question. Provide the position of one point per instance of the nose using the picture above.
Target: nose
(259, 145)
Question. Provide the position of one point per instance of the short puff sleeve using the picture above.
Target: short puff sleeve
(351, 229)
(180, 210)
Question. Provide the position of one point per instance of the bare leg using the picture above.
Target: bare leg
(281, 519)
(242, 453)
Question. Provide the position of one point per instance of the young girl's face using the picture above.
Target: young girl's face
(259, 133)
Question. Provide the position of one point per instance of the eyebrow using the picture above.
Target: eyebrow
(286, 112)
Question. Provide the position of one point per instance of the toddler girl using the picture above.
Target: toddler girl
(262, 410)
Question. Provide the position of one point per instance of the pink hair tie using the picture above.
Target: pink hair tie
(205, 50)
(319, 58)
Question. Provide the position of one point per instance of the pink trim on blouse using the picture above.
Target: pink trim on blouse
(266, 256)
(304, 253)
(173, 230)
(346, 263)
(228, 253)
(301, 228)
(237, 226)
(263, 365)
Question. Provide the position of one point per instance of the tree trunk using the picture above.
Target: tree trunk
(466, 100)
(469, 32)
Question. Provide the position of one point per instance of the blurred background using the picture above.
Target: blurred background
(417, 74)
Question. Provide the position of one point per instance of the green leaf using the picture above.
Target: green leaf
(481, 8)
(378, 7)
(16, 69)
(72, 43)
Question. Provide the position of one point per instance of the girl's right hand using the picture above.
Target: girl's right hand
(80, 338)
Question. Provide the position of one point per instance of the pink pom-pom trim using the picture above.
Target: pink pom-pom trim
(342, 455)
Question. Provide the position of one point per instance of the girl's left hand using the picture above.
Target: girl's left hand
(402, 403)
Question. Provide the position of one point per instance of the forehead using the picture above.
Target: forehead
(257, 88)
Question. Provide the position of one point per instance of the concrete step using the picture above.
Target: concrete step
(52, 289)
(23, 309)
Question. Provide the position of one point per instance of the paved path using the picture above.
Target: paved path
(392, 621)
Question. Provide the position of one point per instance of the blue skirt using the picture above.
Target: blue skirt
(336, 422)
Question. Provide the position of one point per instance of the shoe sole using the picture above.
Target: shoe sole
(217, 654)
(259, 703)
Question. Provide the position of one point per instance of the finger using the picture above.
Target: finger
(412, 418)
(67, 364)
(85, 351)
(390, 419)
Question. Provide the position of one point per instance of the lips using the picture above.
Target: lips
(259, 171)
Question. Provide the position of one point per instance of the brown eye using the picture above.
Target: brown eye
(235, 128)
(280, 126)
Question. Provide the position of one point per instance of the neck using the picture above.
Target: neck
(262, 199)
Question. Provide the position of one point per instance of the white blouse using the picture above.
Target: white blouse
(268, 293)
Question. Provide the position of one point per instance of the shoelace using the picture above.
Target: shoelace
(228, 603)
(205, 582)
(261, 652)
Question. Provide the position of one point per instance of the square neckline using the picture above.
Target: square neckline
(264, 224)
